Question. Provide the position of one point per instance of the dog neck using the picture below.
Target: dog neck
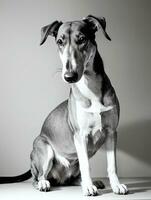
(89, 86)
(95, 65)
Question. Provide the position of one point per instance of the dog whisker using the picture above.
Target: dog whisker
(58, 70)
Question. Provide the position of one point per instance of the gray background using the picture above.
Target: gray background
(30, 87)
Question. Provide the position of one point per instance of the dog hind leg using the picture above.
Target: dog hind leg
(41, 163)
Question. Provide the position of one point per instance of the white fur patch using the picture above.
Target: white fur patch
(64, 59)
(111, 168)
(86, 120)
(96, 106)
(62, 160)
(68, 52)
(85, 90)
(87, 185)
(90, 116)
(43, 185)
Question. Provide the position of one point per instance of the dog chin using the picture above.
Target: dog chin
(70, 82)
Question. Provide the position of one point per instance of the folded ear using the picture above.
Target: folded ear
(51, 29)
(96, 23)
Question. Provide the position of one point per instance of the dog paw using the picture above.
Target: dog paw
(44, 186)
(119, 189)
(89, 190)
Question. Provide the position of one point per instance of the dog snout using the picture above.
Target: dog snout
(71, 77)
(68, 65)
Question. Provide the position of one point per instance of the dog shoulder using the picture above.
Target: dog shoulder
(108, 93)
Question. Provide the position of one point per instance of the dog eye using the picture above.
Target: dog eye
(82, 40)
(59, 42)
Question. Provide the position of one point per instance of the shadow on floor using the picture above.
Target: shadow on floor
(137, 186)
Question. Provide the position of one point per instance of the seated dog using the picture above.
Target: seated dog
(75, 130)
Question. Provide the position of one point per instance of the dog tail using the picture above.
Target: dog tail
(15, 179)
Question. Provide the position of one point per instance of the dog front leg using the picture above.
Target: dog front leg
(111, 164)
(80, 141)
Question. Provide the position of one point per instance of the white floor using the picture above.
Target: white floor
(140, 188)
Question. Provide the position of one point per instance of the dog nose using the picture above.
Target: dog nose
(71, 77)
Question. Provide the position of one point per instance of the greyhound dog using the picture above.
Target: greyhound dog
(75, 130)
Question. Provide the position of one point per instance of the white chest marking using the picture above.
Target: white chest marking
(89, 119)
(88, 122)
(85, 90)
(96, 106)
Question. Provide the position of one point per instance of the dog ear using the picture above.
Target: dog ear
(50, 29)
(96, 23)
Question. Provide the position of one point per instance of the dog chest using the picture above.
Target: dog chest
(88, 117)
(89, 122)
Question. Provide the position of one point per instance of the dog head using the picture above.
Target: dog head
(76, 44)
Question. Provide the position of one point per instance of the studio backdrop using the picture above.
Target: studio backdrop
(30, 86)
